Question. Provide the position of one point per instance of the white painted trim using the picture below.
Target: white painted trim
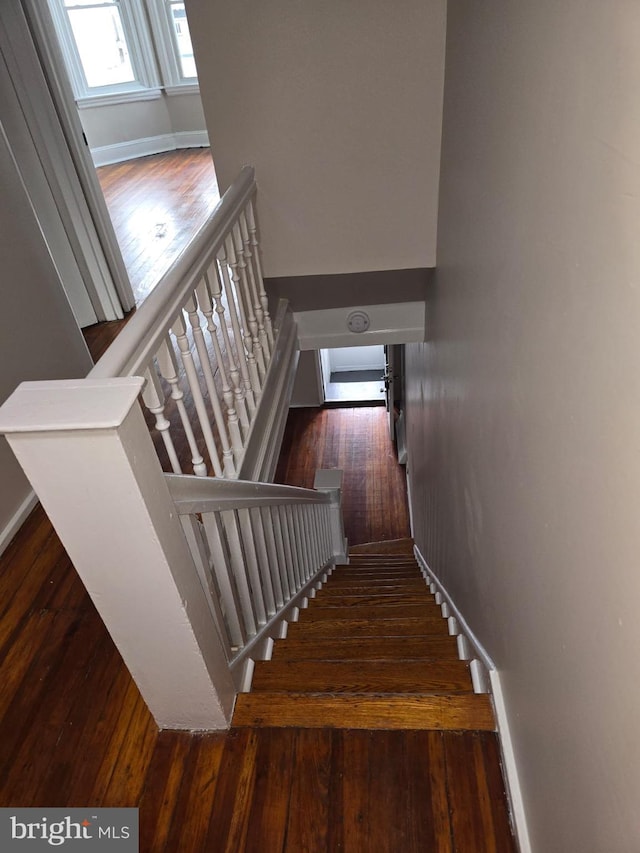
(514, 791)
(391, 323)
(105, 155)
(485, 673)
(182, 89)
(142, 94)
(262, 446)
(17, 520)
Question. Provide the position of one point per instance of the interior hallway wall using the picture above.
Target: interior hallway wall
(338, 106)
(523, 411)
(39, 338)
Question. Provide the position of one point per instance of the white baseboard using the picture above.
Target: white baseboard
(485, 673)
(514, 792)
(106, 155)
(17, 520)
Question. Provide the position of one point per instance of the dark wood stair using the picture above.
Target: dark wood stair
(371, 651)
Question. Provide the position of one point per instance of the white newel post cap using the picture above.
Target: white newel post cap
(328, 480)
(69, 404)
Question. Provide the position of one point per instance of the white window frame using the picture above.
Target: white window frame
(152, 50)
(167, 49)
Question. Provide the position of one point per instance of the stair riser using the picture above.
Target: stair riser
(456, 713)
(433, 647)
(409, 586)
(362, 628)
(371, 611)
(362, 677)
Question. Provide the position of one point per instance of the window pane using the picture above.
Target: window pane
(102, 45)
(183, 40)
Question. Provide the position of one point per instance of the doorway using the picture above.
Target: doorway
(353, 374)
(105, 127)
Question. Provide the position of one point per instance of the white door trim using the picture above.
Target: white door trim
(99, 269)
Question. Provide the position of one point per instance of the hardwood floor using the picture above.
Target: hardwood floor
(157, 203)
(74, 731)
(357, 440)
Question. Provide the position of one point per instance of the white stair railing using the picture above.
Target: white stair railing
(258, 548)
(192, 575)
(204, 342)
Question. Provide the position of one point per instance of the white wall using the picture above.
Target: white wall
(338, 106)
(356, 358)
(39, 338)
(523, 409)
(111, 127)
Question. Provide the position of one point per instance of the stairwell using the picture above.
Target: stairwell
(371, 651)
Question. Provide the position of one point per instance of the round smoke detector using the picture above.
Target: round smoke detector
(358, 321)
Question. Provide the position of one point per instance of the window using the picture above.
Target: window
(173, 41)
(124, 49)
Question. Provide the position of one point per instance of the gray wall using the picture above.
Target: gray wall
(127, 122)
(338, 106)
(523, 406)
(39, 338)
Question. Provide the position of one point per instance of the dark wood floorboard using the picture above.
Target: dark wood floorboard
(156, 204)
(374, 495)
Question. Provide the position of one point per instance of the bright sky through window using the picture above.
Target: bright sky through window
(101, 42)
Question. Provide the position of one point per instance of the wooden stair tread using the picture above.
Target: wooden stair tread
(321, 601)
(357, 588)
(407, 626)
(387, 546)
(376, 568)
(313, 710)
(411, 676)
(429, 647)
(373, 582)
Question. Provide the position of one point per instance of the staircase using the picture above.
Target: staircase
(371, 651)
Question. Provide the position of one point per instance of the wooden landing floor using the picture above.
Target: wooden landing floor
(357, 440)
(157, 204)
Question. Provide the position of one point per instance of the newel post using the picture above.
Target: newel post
(330, 480)
(85, 448)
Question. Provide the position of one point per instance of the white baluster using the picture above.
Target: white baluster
(154, 399)
(236, 559)
(221, 567)
(179, 329)
(233, 422)
(243, 344)
(260, 543)
(243, 231)
(251, 564)
(194, 534)
(215, 287)
(191, 308)
(169, 371)
(255, 253)
(276, 523)
(250, 299)
(272, 554)
(313, 533)
(296, 545)
(249, 325)
(289, 550)
(306, 542)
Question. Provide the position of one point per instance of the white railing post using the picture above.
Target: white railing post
(87, 451)
(330, 480)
